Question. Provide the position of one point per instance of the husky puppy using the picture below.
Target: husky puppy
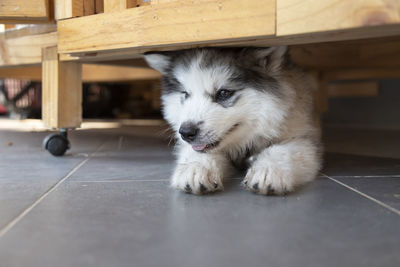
(228, 105)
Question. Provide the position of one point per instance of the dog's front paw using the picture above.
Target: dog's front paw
(268, 180)
(197, 179)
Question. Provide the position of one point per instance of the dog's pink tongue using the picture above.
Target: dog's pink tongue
(199, 147)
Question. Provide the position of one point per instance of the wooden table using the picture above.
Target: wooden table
(336, 39)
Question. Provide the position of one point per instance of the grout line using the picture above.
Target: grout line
(121, 181)
(17, 219)
(120, 140)
(136, 180)
(366, 176)
(364, 195)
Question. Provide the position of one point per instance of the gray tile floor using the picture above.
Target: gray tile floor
(107, 203)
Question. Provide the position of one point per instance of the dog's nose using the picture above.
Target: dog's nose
(188, 131)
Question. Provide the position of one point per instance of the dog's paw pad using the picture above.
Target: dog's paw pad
(187, 188)
(215, 185)
(196, 179)
(255, 187)
(270, 190)
(203, 189)
(265, 182)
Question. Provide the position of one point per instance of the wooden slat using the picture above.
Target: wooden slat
(28, 30)
(61, 91)
(90, 73)
(361, 73)
(144, 2)
(164, 35)
(73, 8)
(89, 7)
(99, 6)
(118, 5)
(9, 26)
(353, 89)
(22, 11)
(33, 73)
(320, 96)
(156, 2)
(68, 9)
(373, 53)
(25, 49)
(309, 16)
(177, 22)
(101, 73)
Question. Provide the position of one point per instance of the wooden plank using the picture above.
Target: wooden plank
(353, 89)
(101, 73)
(22, 11)
(361, 73)
(99, 6)
(68, 9)
(61, 91)
(156, 2)
(167, 24)
(10, 26)
(348, 36)
(320, 96)
(118, 5)
(156, 95)
(90, 73)
(33, 73)
(89, 7)
(28, 30)
(25, 49)
(309, 16)
(372, 53)
(73, 8)
(144, 2)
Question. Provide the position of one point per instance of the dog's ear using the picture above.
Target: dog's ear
(271, 58)
(158, 61)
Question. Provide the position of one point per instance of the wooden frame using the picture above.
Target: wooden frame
(90, 73)
(127, 28)
(74, 8)
(169, 24)
(118, 5)
(179, 24)
(61, 91)
(25, 12)
(295, 17)
(24, 46)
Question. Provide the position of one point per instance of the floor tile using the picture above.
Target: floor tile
(338, 164)
(129, 157)
(118, 210)
(27, 171)
(148, 224)
(385, 189)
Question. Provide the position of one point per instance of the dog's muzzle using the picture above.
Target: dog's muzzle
(189, 131)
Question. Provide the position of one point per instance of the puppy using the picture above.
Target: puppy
(229, 106)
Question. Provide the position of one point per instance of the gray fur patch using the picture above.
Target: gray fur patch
(246, 68)
(230, 102)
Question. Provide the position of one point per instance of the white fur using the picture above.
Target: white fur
(282, 167)
(197, 169)
(280, 132)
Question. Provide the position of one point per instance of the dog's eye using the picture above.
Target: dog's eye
(223, 94)
(185, 94)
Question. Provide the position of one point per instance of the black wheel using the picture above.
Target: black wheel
(56, 144)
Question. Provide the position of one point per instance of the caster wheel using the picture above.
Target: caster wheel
(56, 144)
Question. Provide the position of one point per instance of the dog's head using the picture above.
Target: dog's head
(217, 97)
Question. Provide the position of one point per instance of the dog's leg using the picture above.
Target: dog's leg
(279, 168)
(199, 173)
